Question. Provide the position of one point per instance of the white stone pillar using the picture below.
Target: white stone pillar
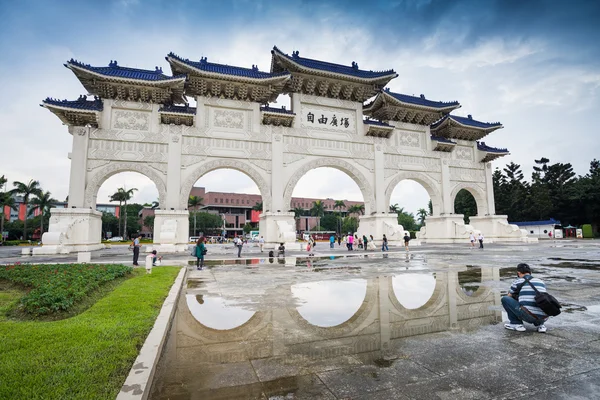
(173, 168)
(447, 206)
(277, 181)
(452, 279)
(489, 189)
(78, 156)
(380, 200)
(384, 313)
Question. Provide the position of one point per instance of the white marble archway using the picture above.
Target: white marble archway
(478, 194)
(430, 185)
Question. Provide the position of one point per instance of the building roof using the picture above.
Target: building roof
(422, 101)
(82, 103)
(177, 109)
(378, 123)
(281, 110)
(468, 122)
(483, 147)
(317, 65)
(115, 71)
(223, 69)
(442, 139)
(550, 221)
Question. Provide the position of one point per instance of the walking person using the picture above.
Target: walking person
(372, 243)
(360, 242)
(350, 242)
(480, 239)
(261, 243)
(339, 240)
(384, 244)
(472, 239)
(365, 242)
(406, 240)
(239, 243)
(136, 249)
(331, 241)
(520, 304)
(200, 252)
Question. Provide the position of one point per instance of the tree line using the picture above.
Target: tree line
(554, 191)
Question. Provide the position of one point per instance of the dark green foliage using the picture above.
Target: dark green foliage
(329, 222)
(407, 220)
(56, 288)
(205, 222)
(349, 224)
(464, 203)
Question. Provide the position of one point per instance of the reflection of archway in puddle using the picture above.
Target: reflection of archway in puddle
(330, 303)
(413, 290)
(217, 313)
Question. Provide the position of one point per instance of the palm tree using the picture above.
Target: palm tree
(258, 206)
(298, 211)
(2, 181)
(127, 195)
(357, 209)
(339, 204)
(118, 196)
(6, 200)
(394, 208)
(422, 215)
(26, 190)
(318, 210)
(44, 202)
(195, 202)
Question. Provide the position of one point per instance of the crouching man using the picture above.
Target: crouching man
(520, 302)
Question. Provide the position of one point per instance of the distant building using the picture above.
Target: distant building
(20, 212)
(539, 229)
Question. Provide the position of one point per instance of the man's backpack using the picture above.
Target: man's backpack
(545, 301)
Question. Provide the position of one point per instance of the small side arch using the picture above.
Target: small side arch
(478, 194)
(96, 178)
(344, 166)
(430, 185)
(243, 167)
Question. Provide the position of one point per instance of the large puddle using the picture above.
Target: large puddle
(265, 333)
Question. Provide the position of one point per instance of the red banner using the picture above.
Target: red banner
(254, 216)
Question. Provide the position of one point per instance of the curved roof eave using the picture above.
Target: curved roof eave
(142, 82)
(70, 109)
(449, 107)
(282, 78)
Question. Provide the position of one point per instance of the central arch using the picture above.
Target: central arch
(478, 194)
(102, 174)
(344, 166)
(430, 185)
(243, 167)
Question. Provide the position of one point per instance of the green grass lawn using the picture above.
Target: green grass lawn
(87, 356)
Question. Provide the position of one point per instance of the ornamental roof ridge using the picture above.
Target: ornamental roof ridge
(281, 110)
(186, 109)
(226, 69)
(82, 103)
(376, 122)
(114, 70)
(467, 121)
(442, 139)
(351, 70)
(483, 147)
(420, 100)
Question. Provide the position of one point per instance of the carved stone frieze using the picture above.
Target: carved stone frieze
(131, 120)
(362, 181)
(225, 147)
(124, 135)
(102, 174)
(136, 105)
(127, 151)
(426, 164)
(463, 174)
(246, 168)
(327, 147)
(463, 153)
(408, 139)
(228, 119)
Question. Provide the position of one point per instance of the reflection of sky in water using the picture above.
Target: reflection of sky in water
(217, 313)
(413, 290)
(330, 303)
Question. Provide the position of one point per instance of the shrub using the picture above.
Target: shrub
(413, 234)
(57, 288)
(587, 231)
(15, 242)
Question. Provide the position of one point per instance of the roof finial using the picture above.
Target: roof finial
(254, 67)
(113, 64)
(354, 65)
(422, 96)
(470, 116)
(387, 89)
(203, 60)
(158, 69)
(295, 53)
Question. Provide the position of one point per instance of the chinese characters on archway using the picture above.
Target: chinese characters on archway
(325, 119)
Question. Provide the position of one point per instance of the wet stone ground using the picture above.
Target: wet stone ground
(419, 325)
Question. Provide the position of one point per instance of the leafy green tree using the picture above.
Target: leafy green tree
(110, 223)
(43, 201)
(318, 210)
(356, 209)
(193, 203)
(149, 222)
(349, 224)
(430, 206)
(26, 190)
(407, 220)
(394, 208)
(465, 204)
(422, 215)
(247, 228)
(329, 222)
(119, 196)
(258, 206)
(209, 222)
(298, 212)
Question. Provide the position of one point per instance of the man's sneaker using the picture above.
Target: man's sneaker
(542, 329)
(515, 327)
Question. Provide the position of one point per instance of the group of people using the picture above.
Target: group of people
(479, 239)
(362, 242)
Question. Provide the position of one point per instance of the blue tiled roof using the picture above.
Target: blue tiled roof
(281, 110)
(82, 103)
(378, 123)
(442, 139)
(115, 71)
(178, 109)
(483, 147)
(224, 69)
(335, 68)
(551, 221)
(468, 121)
(421, 100)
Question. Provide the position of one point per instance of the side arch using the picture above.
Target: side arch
(478, 194)
(430, 185)
(243, 167)
(344, 166)
(96, 178)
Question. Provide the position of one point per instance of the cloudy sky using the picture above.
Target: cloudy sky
(532, 65)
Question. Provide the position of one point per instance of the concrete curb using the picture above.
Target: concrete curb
(139, 381)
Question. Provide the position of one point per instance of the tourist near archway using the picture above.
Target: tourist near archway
(140, 120)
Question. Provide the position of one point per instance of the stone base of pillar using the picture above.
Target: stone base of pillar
(72, 230)
(495, 228)
(171, 231)
(276, 228)
(380, 224)
(446, 229)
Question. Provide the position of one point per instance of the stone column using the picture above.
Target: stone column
(489, 189)
(78, 156)
(447, 206)
(452, 279)
(384, 313)
(173, 169)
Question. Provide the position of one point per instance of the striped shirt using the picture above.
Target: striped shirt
(527, 294)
